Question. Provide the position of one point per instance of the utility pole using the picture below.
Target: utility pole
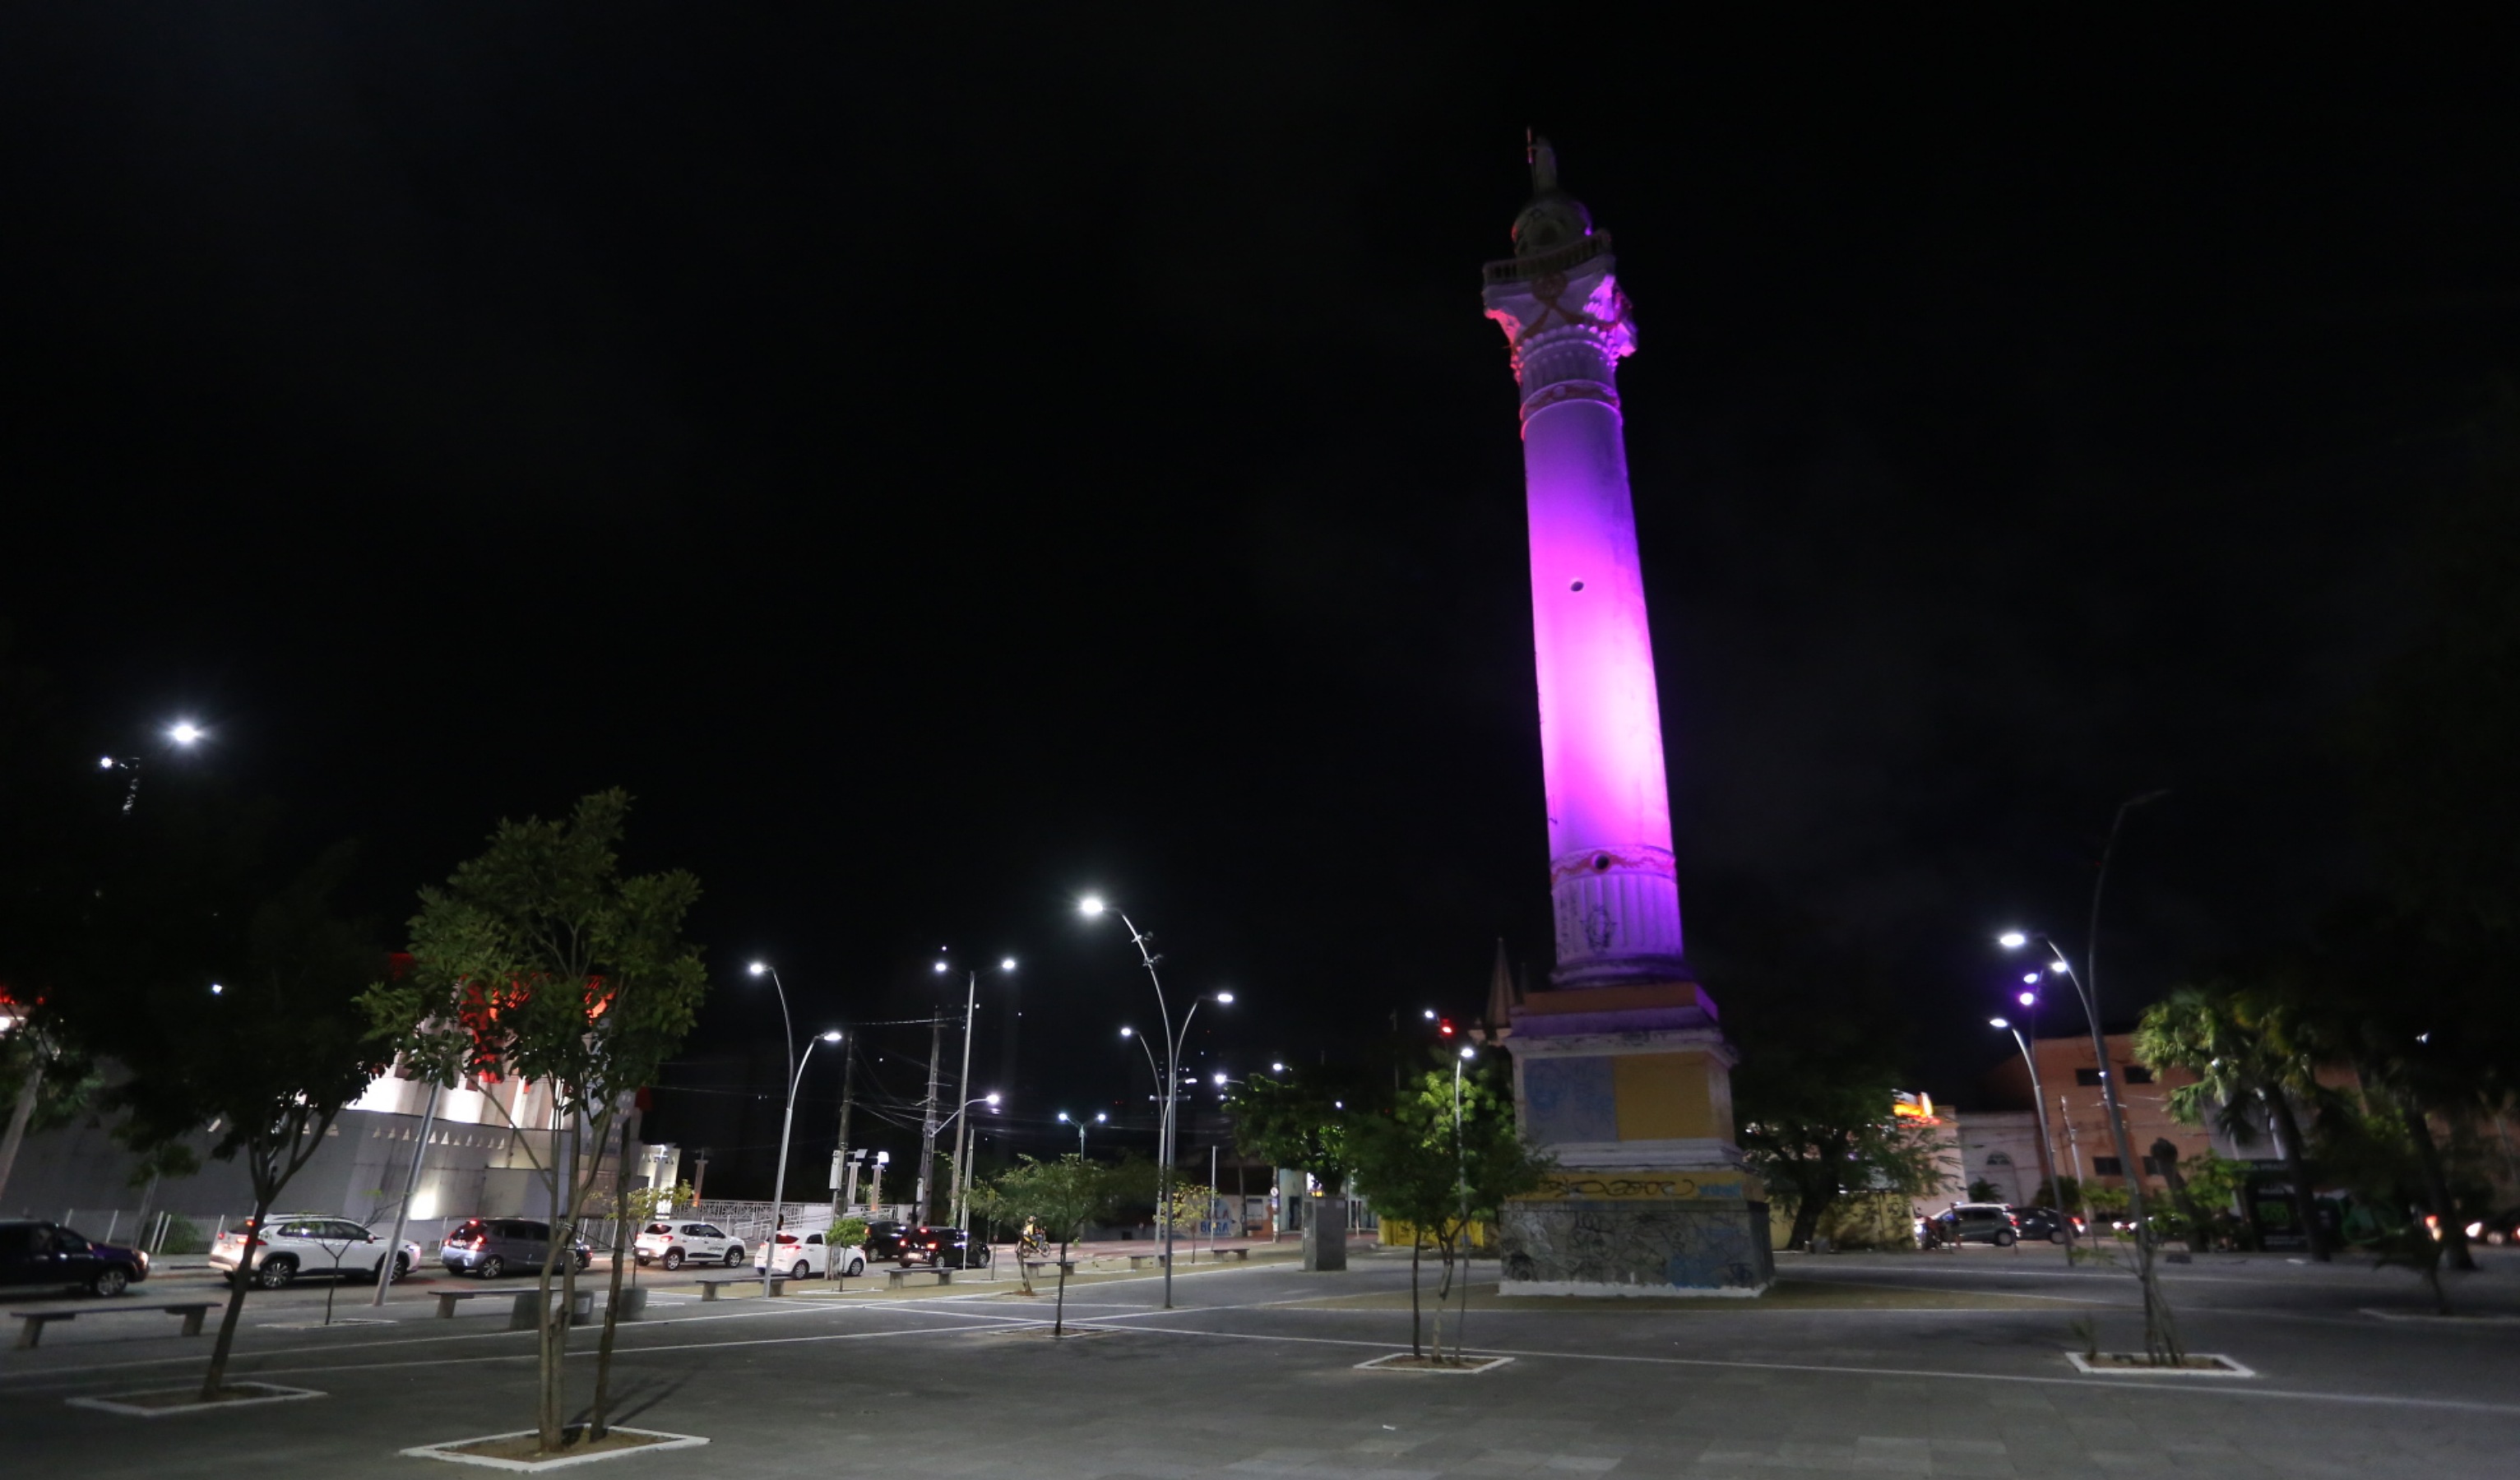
(840, 1157)
(963, 1101)
(927, 1122)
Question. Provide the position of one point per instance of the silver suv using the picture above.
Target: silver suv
(493, 1246)
(310, 1244)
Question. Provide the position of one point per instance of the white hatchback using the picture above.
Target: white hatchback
(675, 1242)
(806, 1257)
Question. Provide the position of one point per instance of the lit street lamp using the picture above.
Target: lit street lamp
(2038, 1098)
(1171, 1076)
(962, 1085)
(1079, 1122)
(183, 733)
(787, 1123)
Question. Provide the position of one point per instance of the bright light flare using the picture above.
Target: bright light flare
(104, 763)
(1006, 965)
(2012, 940)
(992, 1097)
(216, 989)
(940, 968)
(1090, 905)
(1128, 1032)
(1225, 999)
(185, 732)
(833, 1036)
(2031, 979)
(2029, 998)
(1220, 1081)
(1469, 1052)
(1277, 1068)
(1998, 1023)
(758, 968)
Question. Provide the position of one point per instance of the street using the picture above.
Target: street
(1907, 1363)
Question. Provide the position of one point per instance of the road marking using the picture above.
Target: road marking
(2451, 1404)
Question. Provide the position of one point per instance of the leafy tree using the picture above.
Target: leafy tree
(1305, 1124)
(268, 1060)
(1447, 1155)
(1059, 1198)
(539, 961)
(2247, 1049)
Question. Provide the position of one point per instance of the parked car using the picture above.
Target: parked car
(944, 1249)
(2500, 1229)
(494, 1246)
(309, 1244)
(2039, 1223)
(885, 1238)
(807, 1257)
(33, 1252)
(1977, 1222)
(677, 1241)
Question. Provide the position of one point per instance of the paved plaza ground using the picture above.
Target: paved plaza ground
(1920, 1365)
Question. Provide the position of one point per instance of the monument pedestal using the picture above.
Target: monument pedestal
(1325, 1234)
(1629, 1089)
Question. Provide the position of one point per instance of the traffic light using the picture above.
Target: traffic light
(1444, 1026)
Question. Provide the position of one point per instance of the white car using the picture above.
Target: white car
(677, 1241)
(807, 1257)
(310, 1244)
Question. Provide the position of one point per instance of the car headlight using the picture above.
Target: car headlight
(2476, 1230)
(143, 1256)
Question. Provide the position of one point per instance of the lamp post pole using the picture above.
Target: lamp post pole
(1173, 1040)
(2039, 1098)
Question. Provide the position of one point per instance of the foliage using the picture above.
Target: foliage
(2249, 1047)
(1305, 1124)
(1058, 1197)
(645, 1202)
(1820, 1033)
(540, 960)
(849, 1232)
(1447, 1155)
(183, 1236)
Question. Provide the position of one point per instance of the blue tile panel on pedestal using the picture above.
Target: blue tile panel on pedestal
(1571, 1099)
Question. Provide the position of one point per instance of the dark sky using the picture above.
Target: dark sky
(947, 469)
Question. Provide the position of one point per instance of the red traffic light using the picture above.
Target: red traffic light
(1444, 1025)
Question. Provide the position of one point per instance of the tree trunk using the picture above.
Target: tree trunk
(2296, 1168)
(216, 1378)
(612, 1309)
(552, 1341)
(2454, 1233)
(1443, 1293)
(1059, 1319)
(1417, 1318)
(1807, 1216)
(19, 1114)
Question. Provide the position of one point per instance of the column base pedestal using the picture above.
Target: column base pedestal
(1628, 1232)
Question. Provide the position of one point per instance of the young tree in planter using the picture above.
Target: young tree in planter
(1448, 1155)
(1059, 1196)
(267, 1058)
(540, 961)
(2244, 1047)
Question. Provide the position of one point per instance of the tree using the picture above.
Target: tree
(268, 1059)
(2245, 1047)
(1302, 1124)
(1447, 1155)
(1059, 1198)
(539, 961)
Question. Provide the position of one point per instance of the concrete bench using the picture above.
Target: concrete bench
(710, 1287)
(526, 1315)
(446, 1300)
(31, 1333)
(897, 1279)
(1244, 1255)
(1144, 1261)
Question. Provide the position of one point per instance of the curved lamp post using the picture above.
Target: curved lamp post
(1091, 907)
(787, 1122)
(2037, 1097)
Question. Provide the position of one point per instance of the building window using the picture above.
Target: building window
(2138, 1074)
(2087, 1078)
(2107, 1166)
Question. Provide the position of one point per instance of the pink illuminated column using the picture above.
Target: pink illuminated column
(1610, 870)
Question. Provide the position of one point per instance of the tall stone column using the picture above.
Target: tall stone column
(1621, 1071)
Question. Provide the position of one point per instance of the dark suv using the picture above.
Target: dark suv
(885, 1238)
(944, 1249)
(492, 1246)
(2037, 1222)
(37, 1253)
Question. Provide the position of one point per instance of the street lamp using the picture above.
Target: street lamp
(1092, 906)
(2038, 1098)
(182, 732)
(787, 1123)
(2158, 1334)
(1078, 1121)
(963, 1084)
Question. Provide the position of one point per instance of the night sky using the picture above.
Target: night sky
(945, 471)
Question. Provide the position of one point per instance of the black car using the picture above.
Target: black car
(37, 1253)
(944, 1249)
(2039, 1223)
(885, 1237)
(2501, 1229)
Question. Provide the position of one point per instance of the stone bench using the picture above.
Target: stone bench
(1144, 1261)
(31, 1333)
(710, 1287)
(898, 1279)
(1244, 1255)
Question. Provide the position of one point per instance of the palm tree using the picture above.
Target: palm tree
(2245, 1052)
